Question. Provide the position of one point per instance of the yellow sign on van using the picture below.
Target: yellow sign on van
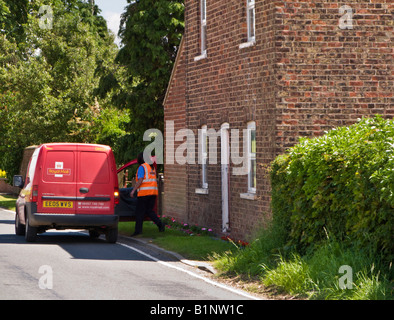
(58, 204)
(52, 171)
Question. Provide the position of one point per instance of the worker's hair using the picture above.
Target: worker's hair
(140, 158)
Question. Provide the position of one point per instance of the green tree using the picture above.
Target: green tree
(150, 33)
(4, 14)
(48, 78)
(14, 16)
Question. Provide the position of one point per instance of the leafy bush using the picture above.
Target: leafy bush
(340, 185)
(332, 203)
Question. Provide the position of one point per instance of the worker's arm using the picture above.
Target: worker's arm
(137, 185)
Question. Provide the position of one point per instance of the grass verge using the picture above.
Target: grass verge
(201, 247)
(332, 271)
(7, 202)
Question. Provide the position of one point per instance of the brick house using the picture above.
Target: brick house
(274, 70)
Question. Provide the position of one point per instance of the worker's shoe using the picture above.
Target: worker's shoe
(135, 234)
(162, 227)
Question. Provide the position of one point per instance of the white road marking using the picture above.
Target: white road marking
(244, 294)
(236, 291)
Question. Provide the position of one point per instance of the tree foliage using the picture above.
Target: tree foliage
(150, 33)
(70, 82)
(48, 77)
(13, 17)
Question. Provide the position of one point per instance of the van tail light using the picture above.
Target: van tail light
(116, 196)
(34, 194)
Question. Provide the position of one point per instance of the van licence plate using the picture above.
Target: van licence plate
(58, 204)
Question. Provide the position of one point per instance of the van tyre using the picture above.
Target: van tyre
(31, 232)
(111, 235)
(19, 228)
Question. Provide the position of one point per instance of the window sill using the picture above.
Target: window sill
(248, 196)
(200, 57)
(201, 190)
(247, 44)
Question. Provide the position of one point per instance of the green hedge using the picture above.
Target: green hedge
(339, 185)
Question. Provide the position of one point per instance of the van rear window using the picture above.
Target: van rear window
(59, 166)
(94, 167)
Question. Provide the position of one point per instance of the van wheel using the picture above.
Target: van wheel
(19, 228)
(111, 235)
(31, 232)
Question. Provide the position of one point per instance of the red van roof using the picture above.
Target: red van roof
(56, 145)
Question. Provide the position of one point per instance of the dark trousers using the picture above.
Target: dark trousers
(145, 207)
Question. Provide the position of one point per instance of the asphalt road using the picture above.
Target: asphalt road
(69, 265)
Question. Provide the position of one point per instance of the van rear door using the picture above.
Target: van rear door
(95, 185)
(57, 189)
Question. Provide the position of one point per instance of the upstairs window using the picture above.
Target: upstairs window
(250, 25)
(250, 20)
(203, 27)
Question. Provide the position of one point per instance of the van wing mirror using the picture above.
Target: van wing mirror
(18, 181)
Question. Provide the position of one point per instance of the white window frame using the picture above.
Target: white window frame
(250, 8)
(251, 157)
(203, 27)
(251, 39)
(203, 30)
(204, 157)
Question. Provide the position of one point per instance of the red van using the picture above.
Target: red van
(68, 186)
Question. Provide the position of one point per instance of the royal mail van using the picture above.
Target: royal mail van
(68, 186)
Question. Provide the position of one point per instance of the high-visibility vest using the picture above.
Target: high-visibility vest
(148, 186)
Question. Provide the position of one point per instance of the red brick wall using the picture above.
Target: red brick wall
(304, 75)
(175, 178)
(327, 76)
(236, 86)
(7, 188)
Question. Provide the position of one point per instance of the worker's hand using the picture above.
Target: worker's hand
(132, 193)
